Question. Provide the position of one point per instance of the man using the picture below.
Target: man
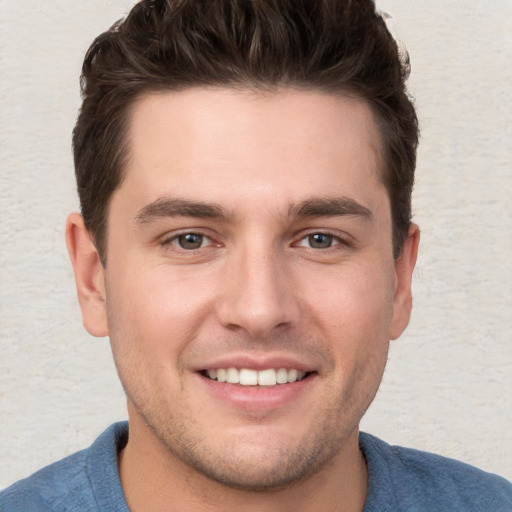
(245, 171)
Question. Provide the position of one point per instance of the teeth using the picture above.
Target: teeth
(248, 377)
(267, 378)
(282, 376)
(233, 376)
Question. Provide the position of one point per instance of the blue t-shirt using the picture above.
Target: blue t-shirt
(401, 480)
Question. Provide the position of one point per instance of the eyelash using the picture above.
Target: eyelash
(334, 239)
(174, 241)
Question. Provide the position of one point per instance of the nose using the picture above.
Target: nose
(257, 293)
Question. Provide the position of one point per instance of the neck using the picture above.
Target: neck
(154, 479)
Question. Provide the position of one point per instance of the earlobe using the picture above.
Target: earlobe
(404, 267)
(89, 276)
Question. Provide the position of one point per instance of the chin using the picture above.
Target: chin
(258, 459)
(259, 473)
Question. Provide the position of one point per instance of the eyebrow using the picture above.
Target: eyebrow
(173, 207)
(316, 207)
(329, 207)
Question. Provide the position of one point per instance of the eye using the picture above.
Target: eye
(190, 241)
(319, 241)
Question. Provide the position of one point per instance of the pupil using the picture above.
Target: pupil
(190, 241)
(320, 241)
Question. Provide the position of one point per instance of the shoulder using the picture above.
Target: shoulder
(425, 481)
(68, 484)
(49, 487)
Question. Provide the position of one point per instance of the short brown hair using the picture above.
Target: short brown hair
(328, 45)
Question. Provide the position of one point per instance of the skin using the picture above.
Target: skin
(258, 288)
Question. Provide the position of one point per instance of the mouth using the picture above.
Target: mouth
(269, 377)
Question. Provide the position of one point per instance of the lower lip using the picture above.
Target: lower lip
(257, 398)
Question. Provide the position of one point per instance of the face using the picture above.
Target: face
(251, 292)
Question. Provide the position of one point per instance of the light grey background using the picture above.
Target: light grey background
(448, 384)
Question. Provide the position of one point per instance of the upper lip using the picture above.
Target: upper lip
(256, 362)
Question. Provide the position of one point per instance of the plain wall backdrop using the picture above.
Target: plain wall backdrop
(448, 385)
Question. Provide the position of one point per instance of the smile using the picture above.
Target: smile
(249, 377)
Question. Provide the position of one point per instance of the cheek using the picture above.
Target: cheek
(357, 327)
(154, 313)
(353, 299)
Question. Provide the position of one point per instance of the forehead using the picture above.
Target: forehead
(306, 115)
(246, 144)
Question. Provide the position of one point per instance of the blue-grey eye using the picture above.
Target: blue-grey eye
(320, 240)
(190, 241)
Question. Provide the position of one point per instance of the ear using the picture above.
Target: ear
(89, 276)
(404, 267)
